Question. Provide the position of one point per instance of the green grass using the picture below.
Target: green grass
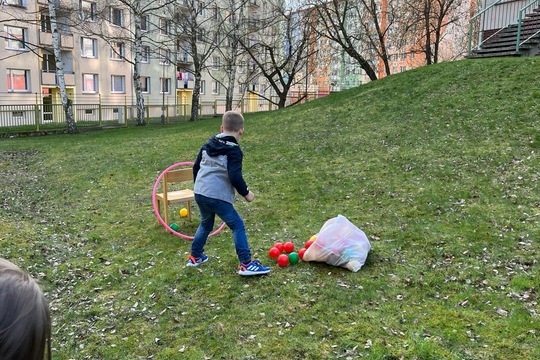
(439, 166)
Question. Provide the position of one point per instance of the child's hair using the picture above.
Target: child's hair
(25, 323)
(232, 121)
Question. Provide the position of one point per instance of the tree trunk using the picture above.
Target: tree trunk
(141, 121)
(67, 103)
(196, 97)
(230, 88)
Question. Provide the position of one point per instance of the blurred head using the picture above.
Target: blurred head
(25, 325)
(232, 122)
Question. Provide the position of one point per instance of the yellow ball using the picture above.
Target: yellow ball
(313, 238)
(183, 212)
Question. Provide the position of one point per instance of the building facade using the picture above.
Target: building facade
(98, 42)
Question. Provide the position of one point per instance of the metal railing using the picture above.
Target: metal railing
(493, 19)
(48, 117)
(522, 12)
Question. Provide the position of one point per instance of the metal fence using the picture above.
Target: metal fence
(51, 117)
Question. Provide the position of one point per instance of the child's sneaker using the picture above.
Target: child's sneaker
(193, 261)
(254, 267)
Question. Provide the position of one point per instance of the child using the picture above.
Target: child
(218, 173)
(25, 324)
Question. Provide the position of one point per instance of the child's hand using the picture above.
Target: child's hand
(249, 197)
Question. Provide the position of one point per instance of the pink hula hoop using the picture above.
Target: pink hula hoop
(158, 215)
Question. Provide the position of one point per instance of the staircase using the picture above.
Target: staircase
(503, 43)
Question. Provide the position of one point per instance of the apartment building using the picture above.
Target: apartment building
(97, 40)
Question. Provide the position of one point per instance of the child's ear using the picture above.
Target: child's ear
(241, 132)
(221, 128)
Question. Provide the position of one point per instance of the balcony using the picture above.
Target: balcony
(252, 24)
(49, 79)
(183, 59)
(66, 40)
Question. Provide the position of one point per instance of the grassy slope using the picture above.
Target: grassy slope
(438, 166)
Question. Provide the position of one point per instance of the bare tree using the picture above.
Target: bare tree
(131, 33)
(347, 24)
(281, 55)
(57, 20)
(66, 102)
(196, 37)
(232, 26)
(428, 22)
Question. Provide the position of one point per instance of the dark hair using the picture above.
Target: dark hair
(25, 323)
(232, 121)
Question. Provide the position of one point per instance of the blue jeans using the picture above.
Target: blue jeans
(209, 208)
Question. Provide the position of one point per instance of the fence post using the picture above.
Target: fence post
(125, 111)
(215, 107)
(100, 115)
(37, 113)
(147, 110)
(167, 111)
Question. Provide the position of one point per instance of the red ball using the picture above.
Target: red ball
(288, 247)
(308, 244)
(283, 260)
(274, 252)
(301, 253)
(279, 246)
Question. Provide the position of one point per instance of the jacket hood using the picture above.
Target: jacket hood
(220, 144)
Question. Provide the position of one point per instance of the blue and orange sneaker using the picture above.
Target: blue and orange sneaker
(254, 267)
(193, 261)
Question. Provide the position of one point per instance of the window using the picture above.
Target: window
(117, 16)
(16, 38)
(202, 8)
(215, 88)
(145, 54)
(215, 62)
(183, 56)
(87, 10)
(145, 84)
(15, 2)
(90, 83)
(48, 63)
(117, 51)
(45, 21)
(18, 80)
(164, 56)
(164, 26)
(88, 47)
(165, 85)
(203, 87)
(145, 23)
(118, 83)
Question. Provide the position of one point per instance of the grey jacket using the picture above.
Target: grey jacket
(218, 169)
